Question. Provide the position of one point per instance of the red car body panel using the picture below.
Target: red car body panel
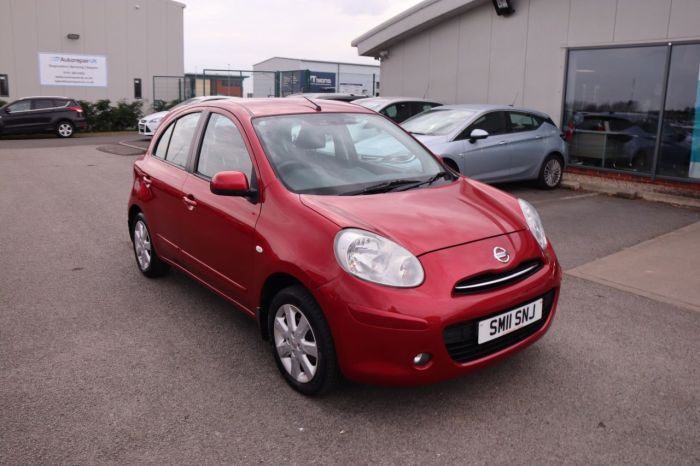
(377, 330)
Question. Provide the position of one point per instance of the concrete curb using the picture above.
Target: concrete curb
(626, 190)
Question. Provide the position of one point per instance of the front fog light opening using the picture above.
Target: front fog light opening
(422, 359)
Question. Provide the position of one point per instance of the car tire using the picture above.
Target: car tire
(303, 351)
(65, 129)
(147, 260)
(551, 172)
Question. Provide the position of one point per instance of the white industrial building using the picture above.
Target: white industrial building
(621, 76)
(279, 76)
(89, 49)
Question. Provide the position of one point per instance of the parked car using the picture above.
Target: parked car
(328, 96)
(149, 124)
(494, 144)
(61, 115)
(381, 273)
(398, 109)
(625, 140)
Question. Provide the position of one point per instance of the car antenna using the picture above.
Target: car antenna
(317, 107)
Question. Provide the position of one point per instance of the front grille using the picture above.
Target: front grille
(461, 339)
(491, 281)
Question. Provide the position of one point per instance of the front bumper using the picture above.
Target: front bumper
(147, 128)
(379, 330)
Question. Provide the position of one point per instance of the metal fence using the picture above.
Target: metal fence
(170, 90)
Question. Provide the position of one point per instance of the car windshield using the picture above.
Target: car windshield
(371, 104)
(438, 121)
(345, 154)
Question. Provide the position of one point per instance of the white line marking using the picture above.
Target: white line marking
(567, 198)
(123, 143)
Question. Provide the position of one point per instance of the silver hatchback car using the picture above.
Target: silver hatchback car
(494, 143)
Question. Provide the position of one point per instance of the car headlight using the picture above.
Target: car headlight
(377, 259)
(534, 222)
(155, 120)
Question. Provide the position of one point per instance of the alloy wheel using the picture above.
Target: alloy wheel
(142, 245)
(65, 130)
(552, 172)
(295, 343)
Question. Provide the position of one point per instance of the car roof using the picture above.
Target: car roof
(490, 107)
(391, 100)
(45, 97)
(285, 106)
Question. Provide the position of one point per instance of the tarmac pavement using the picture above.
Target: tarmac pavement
(100, 365)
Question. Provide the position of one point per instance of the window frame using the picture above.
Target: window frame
(653, 174)
(538, 121)
(200, 143)
(465, 133)
(195, 137)
(204, 121)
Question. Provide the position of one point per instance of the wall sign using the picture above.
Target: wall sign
(321, 82)
(61, 69)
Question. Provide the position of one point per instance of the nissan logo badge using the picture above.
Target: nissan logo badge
(501, 254)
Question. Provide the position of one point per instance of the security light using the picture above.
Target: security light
(503, 7)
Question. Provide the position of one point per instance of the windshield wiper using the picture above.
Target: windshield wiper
(383, 187)
(428, 182)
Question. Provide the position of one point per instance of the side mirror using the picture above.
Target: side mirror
(231, 184)
(477, 134)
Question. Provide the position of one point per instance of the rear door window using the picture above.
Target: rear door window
(181, 139)
(520, 122)
(162, 146)
(42, 104)
(223, 149)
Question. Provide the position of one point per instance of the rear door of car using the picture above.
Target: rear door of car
(219, 247)
(43, 112)
(486, 159)
(164, 173)
(526, 143)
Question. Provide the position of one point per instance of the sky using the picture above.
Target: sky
(235, 34)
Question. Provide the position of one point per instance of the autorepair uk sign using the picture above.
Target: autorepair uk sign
(61, 69)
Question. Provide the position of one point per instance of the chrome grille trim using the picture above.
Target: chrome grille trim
(498, 280)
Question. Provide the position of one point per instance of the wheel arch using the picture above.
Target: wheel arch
(134, 210)
(273, 284)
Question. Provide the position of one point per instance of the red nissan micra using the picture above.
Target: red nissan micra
(358, 252)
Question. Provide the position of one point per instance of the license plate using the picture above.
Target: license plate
(503, 324)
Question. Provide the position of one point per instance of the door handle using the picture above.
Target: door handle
(147, 181)
(189, 201)
(501, 143)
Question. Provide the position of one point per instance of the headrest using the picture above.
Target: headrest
(310, 138)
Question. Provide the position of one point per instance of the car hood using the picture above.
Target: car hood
(430, 140)
(155, 115)
(425, 220)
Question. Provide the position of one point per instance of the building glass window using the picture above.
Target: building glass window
(612, 107)
(4, 86)
(679, 153)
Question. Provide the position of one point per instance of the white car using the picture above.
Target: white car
(149, 124)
